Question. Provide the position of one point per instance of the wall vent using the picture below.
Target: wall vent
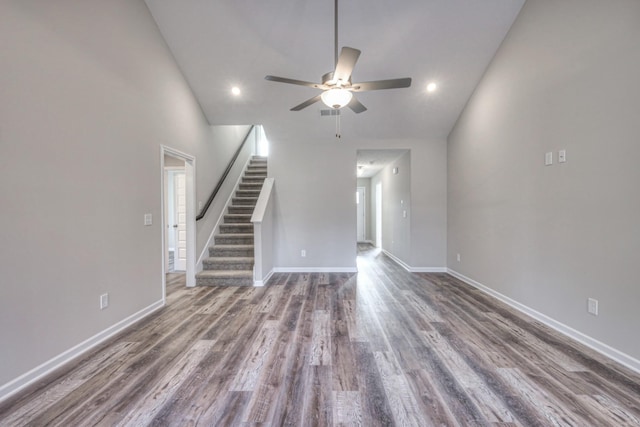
(330, 112)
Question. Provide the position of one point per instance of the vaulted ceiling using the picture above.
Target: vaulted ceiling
(219, 44)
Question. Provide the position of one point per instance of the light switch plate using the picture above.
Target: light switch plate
(562, 156)
(548, 158)
(148, 219)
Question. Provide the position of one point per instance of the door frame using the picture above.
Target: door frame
(378, 240)
(190, 193)
(363, 203)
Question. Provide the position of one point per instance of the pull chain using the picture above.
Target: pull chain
(338, 133)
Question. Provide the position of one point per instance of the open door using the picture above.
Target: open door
(178, 214)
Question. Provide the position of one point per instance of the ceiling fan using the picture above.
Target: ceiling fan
(337, 88)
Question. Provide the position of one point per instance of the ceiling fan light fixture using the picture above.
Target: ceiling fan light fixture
(336, 98)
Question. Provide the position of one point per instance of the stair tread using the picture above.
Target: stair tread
(227, 246)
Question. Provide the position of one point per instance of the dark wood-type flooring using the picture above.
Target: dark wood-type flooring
(383, 347)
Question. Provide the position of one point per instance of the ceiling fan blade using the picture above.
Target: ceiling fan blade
(356, 105)
(381, 84)
(294, 82)
(346, 61)
(306, 103)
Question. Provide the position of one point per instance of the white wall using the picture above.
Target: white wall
(566, 77)
(315, 204)
(88, 93)
(396, 199)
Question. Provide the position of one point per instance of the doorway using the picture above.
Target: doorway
(361, 212)
(178, 214)
(379, 215)
(176, 218)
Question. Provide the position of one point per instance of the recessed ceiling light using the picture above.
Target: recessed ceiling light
(235, 90)
(431, 87)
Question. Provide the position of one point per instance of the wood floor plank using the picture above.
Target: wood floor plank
(347, 409)
(321, 339)
(255, 362)
(146, 410)
(401, 400)
(382, 347)
(53, 394)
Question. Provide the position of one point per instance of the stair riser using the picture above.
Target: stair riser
(251, 185)
(223, 282)
(258, 173)
(244, 201)
(237, 219)
(248, 193)
(217, 251)
(252, 180)
(241, 210)
(236, 228)
(222, 239)
(227, 265)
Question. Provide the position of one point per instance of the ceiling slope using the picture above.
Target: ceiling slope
(220, 44)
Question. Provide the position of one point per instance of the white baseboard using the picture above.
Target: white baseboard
(414, 269)
(606, 350)
(9, 389)
(428, 269)
(315, 270)
(259, 283)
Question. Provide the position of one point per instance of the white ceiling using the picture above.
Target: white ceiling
(222, 43)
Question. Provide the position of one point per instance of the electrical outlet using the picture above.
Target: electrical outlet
(458, 257)
(592, 306)
(148, 219)
(303, 253)
(104, 301)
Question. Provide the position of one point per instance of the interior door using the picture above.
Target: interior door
(180, 221)
(361, 212)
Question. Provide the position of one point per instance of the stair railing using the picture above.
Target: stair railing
(214, 193)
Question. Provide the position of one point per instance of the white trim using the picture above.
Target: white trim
(315, 270)
(190, 182)
(205, 251)
(259, 283)
(263, 201)
(414, 269)
(612, 353)
(428, 269)
(397, 260)
(9, 389)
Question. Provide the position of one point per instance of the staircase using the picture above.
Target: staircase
(230, 261)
